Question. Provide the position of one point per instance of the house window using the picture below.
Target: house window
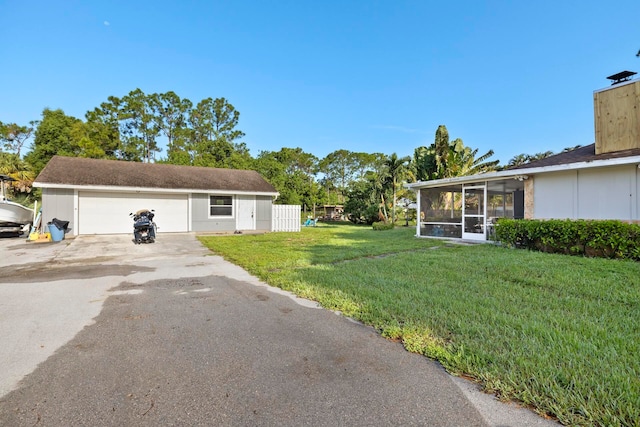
(220, 206)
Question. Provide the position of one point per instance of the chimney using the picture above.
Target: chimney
(617, 114)
(621, 77)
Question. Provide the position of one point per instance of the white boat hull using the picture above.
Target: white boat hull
(14, 214)
(14, 218)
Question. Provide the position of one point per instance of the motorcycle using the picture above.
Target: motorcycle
(144, 229)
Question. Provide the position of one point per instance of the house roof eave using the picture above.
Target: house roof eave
(122, 189)
(488, 176)
(512, 173)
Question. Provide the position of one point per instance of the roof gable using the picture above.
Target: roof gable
(83, 172)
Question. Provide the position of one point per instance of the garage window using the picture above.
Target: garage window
(221, 206)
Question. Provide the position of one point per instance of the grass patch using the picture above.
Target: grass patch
(558, 333)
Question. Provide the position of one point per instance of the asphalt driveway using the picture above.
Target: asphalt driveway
(99, 331)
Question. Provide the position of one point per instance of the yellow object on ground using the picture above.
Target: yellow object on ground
(39, 238)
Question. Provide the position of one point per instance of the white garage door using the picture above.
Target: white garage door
(108, 213)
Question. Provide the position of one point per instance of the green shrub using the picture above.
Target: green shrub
(594, 238)
(379, 226)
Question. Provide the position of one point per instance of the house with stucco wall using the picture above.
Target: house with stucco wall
(597, 181)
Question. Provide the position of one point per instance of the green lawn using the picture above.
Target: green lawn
(558, 333)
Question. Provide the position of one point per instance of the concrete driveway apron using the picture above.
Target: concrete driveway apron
(98, 331)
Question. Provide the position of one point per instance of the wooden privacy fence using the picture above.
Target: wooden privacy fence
(285, 218)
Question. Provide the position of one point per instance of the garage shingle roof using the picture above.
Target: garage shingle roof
(76, 171)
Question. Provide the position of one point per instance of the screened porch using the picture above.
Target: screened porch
(468, 210)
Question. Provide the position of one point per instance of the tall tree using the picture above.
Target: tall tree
(462, 160)
(292, 171)
(329, 190)
(424, 163)
(14, 136)
(83, 144)
(444, 159)
(214, 134)
(341, 167)
(106, 126)
(396, 169)
(171, 116)
(54, 135)
(141, 126)
(223, 154)
(365, 162)
(441, 149)
(225, 120)
(366, 198)
(378, 180)
(273, 171)
(363, 200)
(303, 167)
(214, 119)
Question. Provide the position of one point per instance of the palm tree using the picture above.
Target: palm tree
(522, 159)
(377, 178)
(540, 156)
(463, 162)
(518, 160)
(396, 169)
(423, 163)
(16, 168)
(567, 149)
(441, 149)
(444, 159)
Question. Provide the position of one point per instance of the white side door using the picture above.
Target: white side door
(246, 210)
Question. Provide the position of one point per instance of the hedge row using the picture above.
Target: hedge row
(594, 238)
(379, 226)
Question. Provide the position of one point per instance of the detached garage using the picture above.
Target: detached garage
(96, 196)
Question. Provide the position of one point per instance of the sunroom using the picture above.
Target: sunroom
(467, 207)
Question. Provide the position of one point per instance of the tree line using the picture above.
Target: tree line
(206, 134)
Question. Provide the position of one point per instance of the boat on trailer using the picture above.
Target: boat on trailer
(14, 218)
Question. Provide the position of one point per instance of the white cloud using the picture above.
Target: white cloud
(106, 23)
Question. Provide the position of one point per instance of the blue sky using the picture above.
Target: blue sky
(371, 76)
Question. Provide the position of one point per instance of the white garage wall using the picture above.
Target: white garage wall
(108, 212)
(58, 203)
